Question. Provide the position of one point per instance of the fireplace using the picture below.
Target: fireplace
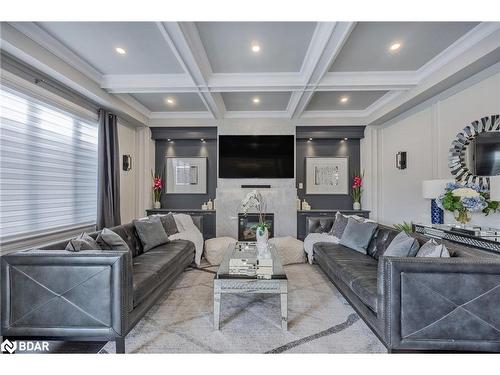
(246, 223)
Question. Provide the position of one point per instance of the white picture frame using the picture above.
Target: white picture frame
(186, 175)
(327, 175)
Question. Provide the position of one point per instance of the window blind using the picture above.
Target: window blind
(48, 167)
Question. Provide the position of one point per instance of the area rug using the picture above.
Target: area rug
(319, 320)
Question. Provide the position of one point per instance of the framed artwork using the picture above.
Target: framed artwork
(327, 175)
(186, 175)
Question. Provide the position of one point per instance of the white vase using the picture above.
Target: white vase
(356, 206)
(157, 204)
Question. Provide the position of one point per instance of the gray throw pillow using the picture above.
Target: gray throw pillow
(82, 242)
(324, 226)
(109, 240)
(403, 245)
(357, 236)
(431, 249)
(168, 223)
(338, 226)
(151, 232)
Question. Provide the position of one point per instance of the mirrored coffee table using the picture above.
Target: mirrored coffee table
(271, 281)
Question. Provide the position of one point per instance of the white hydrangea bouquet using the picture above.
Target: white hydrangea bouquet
(462, 199)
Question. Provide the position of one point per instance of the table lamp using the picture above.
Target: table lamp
(495, 188)
(432, 189)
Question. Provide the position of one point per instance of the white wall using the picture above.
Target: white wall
(135, 192)
(425, 133)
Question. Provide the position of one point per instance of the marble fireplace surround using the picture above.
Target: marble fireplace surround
(280, 198)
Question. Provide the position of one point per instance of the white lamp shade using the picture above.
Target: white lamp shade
(432, 189)
(495, 188)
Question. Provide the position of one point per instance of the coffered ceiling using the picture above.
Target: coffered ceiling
(327, 72)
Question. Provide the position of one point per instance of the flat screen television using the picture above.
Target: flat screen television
(256, 156)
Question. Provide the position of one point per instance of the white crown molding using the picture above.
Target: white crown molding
(134, 103)
(459, 47)
(180, 115)
(332, 114)
(47, 41)
(354, 81)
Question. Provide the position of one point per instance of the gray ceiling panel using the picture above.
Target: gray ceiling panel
(331, 100)
(244, 101)
(182, 102)
(367, 48)
(95, 42)
(283, 45)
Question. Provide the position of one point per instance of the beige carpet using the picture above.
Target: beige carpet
(320, 320)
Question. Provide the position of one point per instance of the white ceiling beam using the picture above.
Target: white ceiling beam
(134, 83)
(327, 45)
(354, 81)
(256, 82)
(183, 40)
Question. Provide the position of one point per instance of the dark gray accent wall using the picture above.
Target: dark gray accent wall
(326, 148)
(188, 148)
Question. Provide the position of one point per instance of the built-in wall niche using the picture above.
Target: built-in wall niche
(327, 142)
(187, 142)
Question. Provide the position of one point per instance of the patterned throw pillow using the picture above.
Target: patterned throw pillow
(431, 249)
(168, 223)
(338, 226)
(403, 245)
(82, 242)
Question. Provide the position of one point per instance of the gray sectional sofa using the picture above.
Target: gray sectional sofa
(92, 295)
(420, 304)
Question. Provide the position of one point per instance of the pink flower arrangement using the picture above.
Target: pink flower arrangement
(157, 186)
(357, 183)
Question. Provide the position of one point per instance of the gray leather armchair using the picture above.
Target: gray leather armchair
(441, 304)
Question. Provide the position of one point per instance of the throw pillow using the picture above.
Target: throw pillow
(339, 225)
(403, 245)
(82, 242)
(109, 240)
(357, 236)
(151, 232)
(168, 223)
(431, 249)
(324, 226)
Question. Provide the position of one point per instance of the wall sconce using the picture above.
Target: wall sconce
(126, 162)
(401, 160)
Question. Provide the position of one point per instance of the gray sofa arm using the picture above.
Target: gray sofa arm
(61, 293)
(440, 303)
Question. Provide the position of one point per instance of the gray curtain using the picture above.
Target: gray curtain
(108, 180)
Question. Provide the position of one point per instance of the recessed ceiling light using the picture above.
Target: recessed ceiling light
(120, 50)
(255, 48)
(256, 100)
(395, 46)
(344, 99)
(170, 101)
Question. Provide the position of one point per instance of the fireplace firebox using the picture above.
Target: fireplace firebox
(247, 223)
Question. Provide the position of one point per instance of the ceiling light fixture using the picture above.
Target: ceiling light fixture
(345, 139)
(202, 139)
(120, 50)
(310, 139)
(255, 48)
(256, 100)
(170, 101)
(395, 46)
(344, 99)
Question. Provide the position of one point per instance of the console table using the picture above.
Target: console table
(303, 215)
(207, 222)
